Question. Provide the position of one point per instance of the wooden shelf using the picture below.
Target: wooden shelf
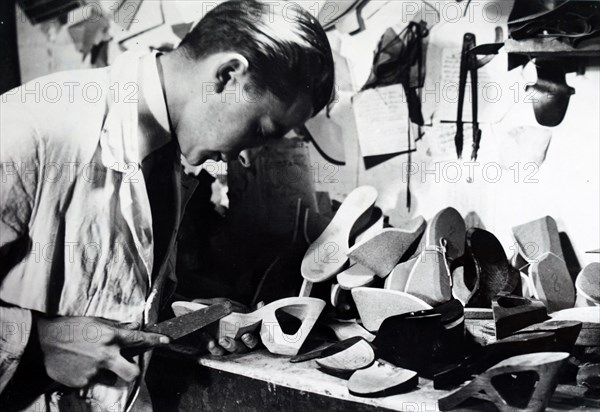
(552, 47)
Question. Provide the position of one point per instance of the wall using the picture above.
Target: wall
(567, 181)
(565, 185)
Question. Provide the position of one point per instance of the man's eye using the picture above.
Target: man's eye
(259, 132)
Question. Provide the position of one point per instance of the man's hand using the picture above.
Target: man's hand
(82, 350)
(248, 341)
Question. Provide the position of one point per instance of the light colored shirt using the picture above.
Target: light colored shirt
(76, 232)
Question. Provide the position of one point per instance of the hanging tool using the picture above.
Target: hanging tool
(468, 64)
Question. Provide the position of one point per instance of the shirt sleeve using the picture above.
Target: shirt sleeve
(19, 174)
(19, 177)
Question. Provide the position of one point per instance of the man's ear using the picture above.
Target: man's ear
(233, 67)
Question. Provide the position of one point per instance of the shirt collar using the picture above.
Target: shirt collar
(154, 130)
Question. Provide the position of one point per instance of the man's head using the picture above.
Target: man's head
(257, 70)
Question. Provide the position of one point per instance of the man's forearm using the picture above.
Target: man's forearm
(15, 329)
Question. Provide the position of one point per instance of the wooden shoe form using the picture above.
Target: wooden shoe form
(460, 290)
(272, 333)
(430, 277)
(384, 249)
(500, 386)
(487, 270)
(348, 329)
(587, 285)
(326, 256)
(326, 350)
(590, 318)
(493, 353)
(355, 276)
(375, 305)
(375, 225)
(357, 356)
(399, 276)
(382, 379)
(527, 288)
(537, 237)
(552, 282)
(449, 225)
(343, 303)
(566, 332)
(518, 261)
(512, 313)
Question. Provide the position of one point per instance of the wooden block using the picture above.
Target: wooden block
(397, 279)
(348, 329)
(382, 379)
(537, 237)
(326, 256)
(512, 313)
(587, 285)
(552, 282)
(565, 331)
(410, 340)
(589, 376)
(590, 318)
(453, 312)
(274, 334)
(375, 305)
(524, 382)
(384, 250)
(451, 343)
(493, 353)
(355, 276)
(479, 313)
(429, 278)
(357, 356)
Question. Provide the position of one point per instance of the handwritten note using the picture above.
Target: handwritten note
(382, 120)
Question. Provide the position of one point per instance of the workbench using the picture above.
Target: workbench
(260, 381)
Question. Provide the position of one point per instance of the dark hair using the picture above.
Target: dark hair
(287, 49)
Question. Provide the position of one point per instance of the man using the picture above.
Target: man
(92, 190)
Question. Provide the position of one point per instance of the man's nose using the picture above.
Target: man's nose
(244, 158)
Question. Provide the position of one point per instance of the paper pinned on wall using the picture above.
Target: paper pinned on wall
(439, 141)
(382, 121)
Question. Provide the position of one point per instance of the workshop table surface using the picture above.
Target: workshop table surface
(304, 377)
